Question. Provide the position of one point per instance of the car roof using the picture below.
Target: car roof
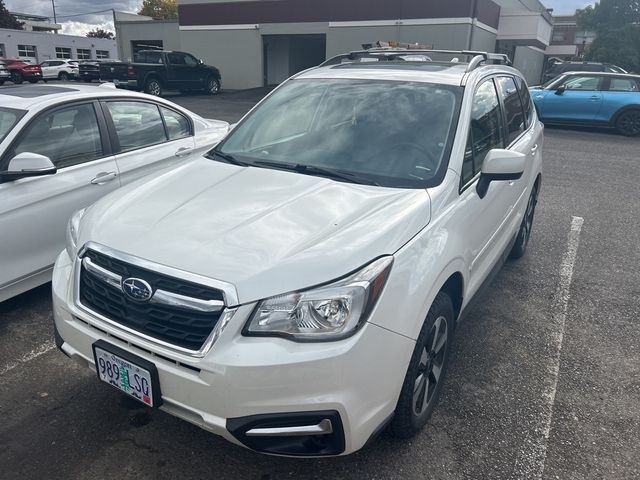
(604, 74)
(446, 73)
(27, 97)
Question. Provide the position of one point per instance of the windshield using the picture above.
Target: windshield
(388, 133)
(8, 118)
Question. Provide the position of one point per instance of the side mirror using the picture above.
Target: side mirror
(560, 90)
(28, 164)
(500, 165)
(200, 61)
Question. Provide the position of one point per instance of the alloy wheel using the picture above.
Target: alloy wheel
(153, 88)
(430, 367)
(213, 86)
(629, 123)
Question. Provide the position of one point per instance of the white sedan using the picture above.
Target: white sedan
(64, 147)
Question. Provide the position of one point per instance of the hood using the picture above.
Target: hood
(265, 231)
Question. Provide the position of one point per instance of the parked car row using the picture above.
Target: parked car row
(152, 72)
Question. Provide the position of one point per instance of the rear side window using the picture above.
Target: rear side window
(486, 132)
(512, 108)
(137, 124)
(525, 98)
(623, 85)
(176, 123)
(8, 118)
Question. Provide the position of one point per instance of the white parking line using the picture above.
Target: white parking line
(532, 459)
(27, 357)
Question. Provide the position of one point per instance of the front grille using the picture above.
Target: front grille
(178, 326)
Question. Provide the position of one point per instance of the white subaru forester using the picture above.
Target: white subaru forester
(296, 289)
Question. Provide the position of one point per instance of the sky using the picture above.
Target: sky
(566, 7)
(80, 25)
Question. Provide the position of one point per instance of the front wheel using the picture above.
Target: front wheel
(153, 87)
(522, 240)
(64, 76)
(33, 80)
(427, 369)
(212, 86)
(628, 123)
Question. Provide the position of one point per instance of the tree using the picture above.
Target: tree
(100, 33)
(161, 9)
(7, 20)
(616, 24)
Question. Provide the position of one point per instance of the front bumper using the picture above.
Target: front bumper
(246, 383)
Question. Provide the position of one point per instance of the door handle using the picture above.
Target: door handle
(534, 149)
(595, 97)
(104, 177)
(183, 151)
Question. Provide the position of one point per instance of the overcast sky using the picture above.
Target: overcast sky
(80, 25)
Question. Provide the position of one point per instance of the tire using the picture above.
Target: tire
(33, 80)
(422, 386)
(64, 76)
(628, 123)
(1, 82)
(153, 87)
(88, 80)
(212, 86)
(16, 78)
(524, 233)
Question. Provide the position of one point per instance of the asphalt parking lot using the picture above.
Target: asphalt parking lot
(544, 380)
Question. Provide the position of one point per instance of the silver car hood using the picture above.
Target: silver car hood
(265, 231)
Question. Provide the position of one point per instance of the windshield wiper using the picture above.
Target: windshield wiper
(226, 158)
(317, 171)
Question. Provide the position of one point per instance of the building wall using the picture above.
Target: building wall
(237, 53)
(167, 31)
(530, 61)
(46, 44)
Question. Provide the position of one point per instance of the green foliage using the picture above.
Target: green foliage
(162, 9)
(7, 20)
(100, 33)
(617, 27)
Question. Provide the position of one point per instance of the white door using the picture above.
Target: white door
(151, 137)
(485, 219)
(34, 211)
(523, 137)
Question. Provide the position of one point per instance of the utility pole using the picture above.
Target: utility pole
(55, 20)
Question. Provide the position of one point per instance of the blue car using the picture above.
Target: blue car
(596, 99)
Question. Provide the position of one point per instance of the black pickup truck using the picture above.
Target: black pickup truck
(155, 70)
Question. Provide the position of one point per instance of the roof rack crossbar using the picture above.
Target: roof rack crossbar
(477, 57)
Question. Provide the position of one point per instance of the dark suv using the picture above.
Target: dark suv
(560, 68)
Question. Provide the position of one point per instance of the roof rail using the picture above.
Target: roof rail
(392, 53)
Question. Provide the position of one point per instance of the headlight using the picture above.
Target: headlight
(72, 233)
(329, 312)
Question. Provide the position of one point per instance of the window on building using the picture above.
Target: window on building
(512, 108)
(84, 54)
(27, 51)
(486, 132)
(63, 52)
(138, 124)
(558, 37)
(102, 53)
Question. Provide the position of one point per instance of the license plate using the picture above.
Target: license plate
(129, 373)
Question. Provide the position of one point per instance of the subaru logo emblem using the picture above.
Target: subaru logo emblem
(137, 289)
